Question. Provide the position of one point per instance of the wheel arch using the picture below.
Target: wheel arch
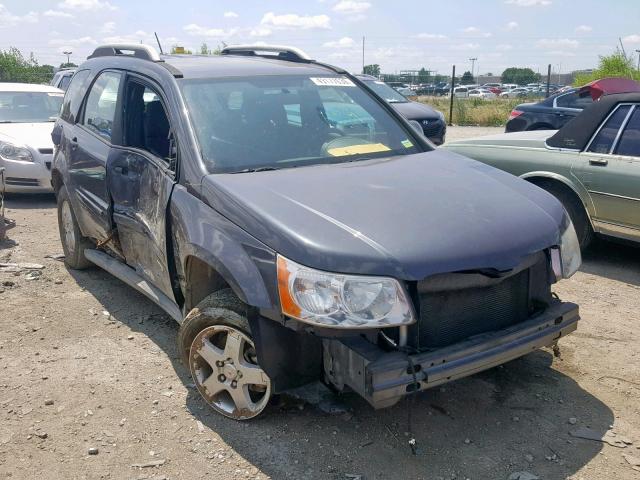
(204, 275)
(57, 181)
(540, 178)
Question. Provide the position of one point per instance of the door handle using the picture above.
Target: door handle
(74, 143)
(600, 162)
(121, 170)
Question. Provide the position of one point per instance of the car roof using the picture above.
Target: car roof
(237, 61)
(365, 78)
(28, 87)
(577, 132)
(207, 66)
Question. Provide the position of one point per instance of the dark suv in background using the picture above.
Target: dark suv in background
(431, 121)
(299, 229)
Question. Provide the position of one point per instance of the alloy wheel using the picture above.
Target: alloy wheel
(223, 363)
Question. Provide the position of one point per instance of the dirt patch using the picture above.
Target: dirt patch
(91, 386)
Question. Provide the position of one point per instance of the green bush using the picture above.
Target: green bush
(475, 111)
(14, 67)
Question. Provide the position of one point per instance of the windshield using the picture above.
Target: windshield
(270, 122)
(386, 92)
(28, 107)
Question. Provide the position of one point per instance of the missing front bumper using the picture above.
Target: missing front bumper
(383, 378)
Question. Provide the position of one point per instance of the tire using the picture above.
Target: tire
(216, 345)
(73, 242)
(575, 209)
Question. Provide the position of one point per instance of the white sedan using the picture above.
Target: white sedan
(27, 113)
(482, 93)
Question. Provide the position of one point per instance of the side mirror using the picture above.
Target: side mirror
(417, 127)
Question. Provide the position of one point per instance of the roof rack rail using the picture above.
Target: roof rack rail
(137, 50)
(281, 52)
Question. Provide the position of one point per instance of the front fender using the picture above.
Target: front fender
(245, 264)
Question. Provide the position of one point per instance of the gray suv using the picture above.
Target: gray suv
(299, 229)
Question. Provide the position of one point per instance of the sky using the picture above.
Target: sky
(401, 35)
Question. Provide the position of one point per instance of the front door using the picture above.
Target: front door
(610, 170)
(140, 177)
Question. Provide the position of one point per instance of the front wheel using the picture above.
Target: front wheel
(217, 346)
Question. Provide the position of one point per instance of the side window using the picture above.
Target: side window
(100, 110)
(74, 95)
(573, 100)
(629, 143)
(64, 82)
(146, 123)
(603, 141)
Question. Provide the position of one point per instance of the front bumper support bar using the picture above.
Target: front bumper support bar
(383, 378)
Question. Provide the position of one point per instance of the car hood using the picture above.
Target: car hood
(527, 139)
(407, 217)
(415, 111)
(35, 135)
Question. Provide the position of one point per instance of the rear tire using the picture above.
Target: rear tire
(73, 242)
(575, 209)
(217, 347)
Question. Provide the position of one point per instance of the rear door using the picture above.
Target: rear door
(610, 170)
(89, 149)
(569, 105)
(141, 174)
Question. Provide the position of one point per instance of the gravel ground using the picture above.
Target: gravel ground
(88, 363)
(458, 133)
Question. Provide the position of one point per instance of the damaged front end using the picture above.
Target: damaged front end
(467, 322)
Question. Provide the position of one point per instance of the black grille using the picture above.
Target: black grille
(433, 129)
(447, 317)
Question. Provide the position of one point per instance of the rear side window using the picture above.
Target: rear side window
(100, 110)
(573, 100)
(73, 97)
(603, 141)
(64, 82)
(630, 140)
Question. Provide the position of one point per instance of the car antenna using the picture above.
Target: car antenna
(158, 40)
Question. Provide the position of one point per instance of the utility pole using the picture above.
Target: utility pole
(473, 64)
(453, 86)
(638, 52)
(363, 54)
(67, 54)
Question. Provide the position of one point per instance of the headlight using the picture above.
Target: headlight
(440, 114)
(570, 257)
(9, 151)
(334, 300)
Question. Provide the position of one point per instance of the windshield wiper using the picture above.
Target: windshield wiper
(257, 169)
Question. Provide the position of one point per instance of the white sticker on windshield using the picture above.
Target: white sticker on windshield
(332, 82)
(55, 94)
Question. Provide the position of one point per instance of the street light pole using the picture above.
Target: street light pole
(473, 63)
(67, 54)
